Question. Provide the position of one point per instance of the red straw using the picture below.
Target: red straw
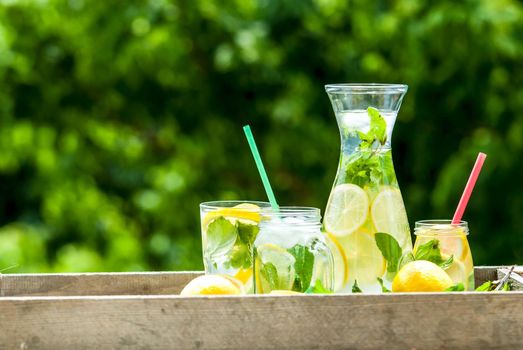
(468, 189)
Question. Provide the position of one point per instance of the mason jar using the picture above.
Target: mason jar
(447, 240)
(290, 252)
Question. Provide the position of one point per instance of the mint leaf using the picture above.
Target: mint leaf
(430, 252)
(456, 288)
(221, 236)
(491, 286)
(356, 288)
(390, 249)
(485, 287)
(303, 266)
(378, 126)
(318, 288)
(377, 131)
(240, 256)
(247, 232)
(383, 288)
(270, 274)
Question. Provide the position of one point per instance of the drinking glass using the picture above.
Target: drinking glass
(229, 229)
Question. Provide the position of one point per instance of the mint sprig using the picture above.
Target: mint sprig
(430, 251)
(224, 237)
(377, 131)
(368, 165)
(303, 267)
(241, 254)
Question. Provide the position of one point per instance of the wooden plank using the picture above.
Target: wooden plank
(139, 283)
(135, 283)
(388, 321)
(485, 273)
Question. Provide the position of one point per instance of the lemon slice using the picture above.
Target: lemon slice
(365, 261)
(274, 268)
(341, 269)
(456, 271)
(389, 215)
(243, 275)
(245, 211)
(213, 285)
(347, 209)
(455, 245)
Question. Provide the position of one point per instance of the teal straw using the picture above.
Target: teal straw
(261, 169)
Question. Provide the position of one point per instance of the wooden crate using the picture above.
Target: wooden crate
(141, 311)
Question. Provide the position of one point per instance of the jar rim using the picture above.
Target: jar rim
(291, 211)
(441, 227)
(367, 88)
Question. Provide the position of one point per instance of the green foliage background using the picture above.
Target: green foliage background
(119, 117)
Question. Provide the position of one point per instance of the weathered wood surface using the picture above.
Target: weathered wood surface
(70, 284)
(390, 321)
(134, 321)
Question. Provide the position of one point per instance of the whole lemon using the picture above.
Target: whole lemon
(213, 285)
(421, 276)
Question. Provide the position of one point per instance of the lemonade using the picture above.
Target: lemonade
(291, 253)
(365, 216)
(446, 244)
(229, 229)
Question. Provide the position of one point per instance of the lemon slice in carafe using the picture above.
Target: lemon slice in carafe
(346, 210)
(389, 215)
(365, 261)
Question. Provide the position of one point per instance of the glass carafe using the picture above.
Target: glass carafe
(365, 218)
